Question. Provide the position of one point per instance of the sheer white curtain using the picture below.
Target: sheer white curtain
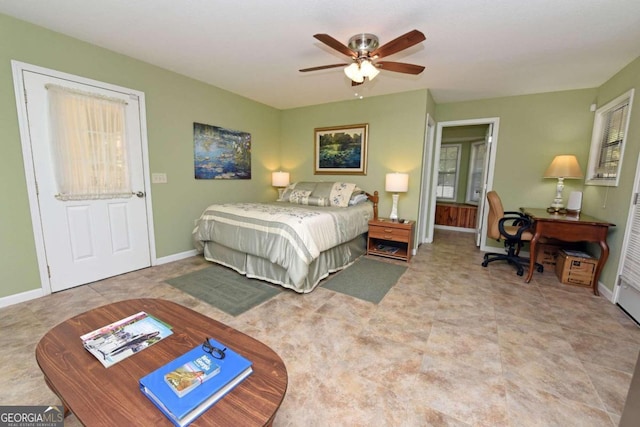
(89, 145)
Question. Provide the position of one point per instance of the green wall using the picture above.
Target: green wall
(173, 101)
(396, 140)
(612, 203)
(533, 129)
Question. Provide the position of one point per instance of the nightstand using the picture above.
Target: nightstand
(390, 239)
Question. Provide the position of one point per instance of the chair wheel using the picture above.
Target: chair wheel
(540, 268)
(485, 263)
(520, 272)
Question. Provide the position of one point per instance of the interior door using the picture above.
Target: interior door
(482, 203)
(425, 234)
(86, 240)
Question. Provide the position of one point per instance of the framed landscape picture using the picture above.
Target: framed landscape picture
(341, 150)
(221, 153)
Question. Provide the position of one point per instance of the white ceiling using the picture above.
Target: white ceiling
(474, 49)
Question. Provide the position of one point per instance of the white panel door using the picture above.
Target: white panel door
(86, 240)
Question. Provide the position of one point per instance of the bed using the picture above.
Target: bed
(312, 230)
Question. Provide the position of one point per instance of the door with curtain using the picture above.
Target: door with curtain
(87, 156)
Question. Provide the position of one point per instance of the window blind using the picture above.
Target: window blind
(611, 143)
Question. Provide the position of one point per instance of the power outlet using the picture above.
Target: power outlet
(159, 178)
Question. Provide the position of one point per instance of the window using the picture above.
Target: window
(608, 141)
(448, 171)
(476, 169)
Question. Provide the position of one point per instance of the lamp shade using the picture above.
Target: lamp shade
(354, 73)
(369, 70)
(280, 179)
(564, 166)
(397, 182)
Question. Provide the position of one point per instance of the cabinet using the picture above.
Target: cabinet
(456, 215)
(390, 239)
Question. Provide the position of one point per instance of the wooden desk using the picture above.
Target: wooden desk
(100, 396)
(568, 228)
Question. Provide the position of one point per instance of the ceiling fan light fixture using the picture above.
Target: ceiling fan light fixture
(363, 43)
(363, 49)
(369, 70)
(354, 73)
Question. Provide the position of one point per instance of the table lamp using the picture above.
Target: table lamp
(281, 180)
(396, 183)
(564, 166)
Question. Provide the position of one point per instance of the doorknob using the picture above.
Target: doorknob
(140, 194)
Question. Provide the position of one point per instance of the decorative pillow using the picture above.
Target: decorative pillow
(305, 186)
(341, 193)
(286, 193)
(300, 197)
(357, 199)
(317, 201)
(321, 193)
(356, 191)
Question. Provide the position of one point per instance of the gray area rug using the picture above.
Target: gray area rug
(366, 279)
(225, 289)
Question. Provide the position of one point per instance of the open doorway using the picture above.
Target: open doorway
(457, 178)
(460, 177)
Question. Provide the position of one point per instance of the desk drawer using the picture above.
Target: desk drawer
(389, 233)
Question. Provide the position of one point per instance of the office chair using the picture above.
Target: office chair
(513, 228)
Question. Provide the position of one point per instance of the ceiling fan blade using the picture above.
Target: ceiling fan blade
(400, 67)
(322, 67)
(401, 43)
(335, 44)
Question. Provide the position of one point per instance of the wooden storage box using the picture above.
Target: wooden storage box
(547, 254)
(575, 267)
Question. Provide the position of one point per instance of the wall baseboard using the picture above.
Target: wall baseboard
(450, 228)
(176, 257)
(37, 293)
(21, 297)
(605, 292)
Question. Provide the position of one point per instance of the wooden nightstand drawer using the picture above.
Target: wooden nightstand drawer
(389, 233)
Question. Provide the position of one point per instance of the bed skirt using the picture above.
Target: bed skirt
(329, 261)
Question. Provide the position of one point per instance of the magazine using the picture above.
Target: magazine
(119, 340)
(190, 375)
(387, 248)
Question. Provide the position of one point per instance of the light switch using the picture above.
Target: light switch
(159, 178)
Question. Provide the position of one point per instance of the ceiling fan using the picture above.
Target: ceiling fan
(364, 49)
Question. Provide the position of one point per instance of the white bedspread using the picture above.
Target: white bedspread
(288, 235)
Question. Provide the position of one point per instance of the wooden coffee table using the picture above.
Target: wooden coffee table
(100, 396)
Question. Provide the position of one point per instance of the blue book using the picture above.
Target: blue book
(193, 373)
(181, 411)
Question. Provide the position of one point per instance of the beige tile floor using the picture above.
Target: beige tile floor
(452, 344)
